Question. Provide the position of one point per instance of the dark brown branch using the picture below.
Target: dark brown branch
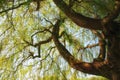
(37, 56)
(48, 21)
(49, 51)
(45, 30)
(43, 42)
(89, 46)
(38, 4)
(27, 42)
(39, 43)
(39, 50)
(77, 18)
(85, 67)
(68, 57)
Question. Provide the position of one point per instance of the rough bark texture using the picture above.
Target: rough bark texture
(114, 50)
(108, 67)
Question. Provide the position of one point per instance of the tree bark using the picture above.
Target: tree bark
(115, 76)
(110, 66)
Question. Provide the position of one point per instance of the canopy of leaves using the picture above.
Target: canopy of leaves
(23, 29)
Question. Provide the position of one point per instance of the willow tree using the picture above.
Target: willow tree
(100, 17)
(107, 63)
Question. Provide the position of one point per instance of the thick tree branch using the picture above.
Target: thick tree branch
(92, 68)
(78, 18)
(68, 57)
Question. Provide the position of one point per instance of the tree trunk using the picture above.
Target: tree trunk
(113, 55)
(115, 76)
